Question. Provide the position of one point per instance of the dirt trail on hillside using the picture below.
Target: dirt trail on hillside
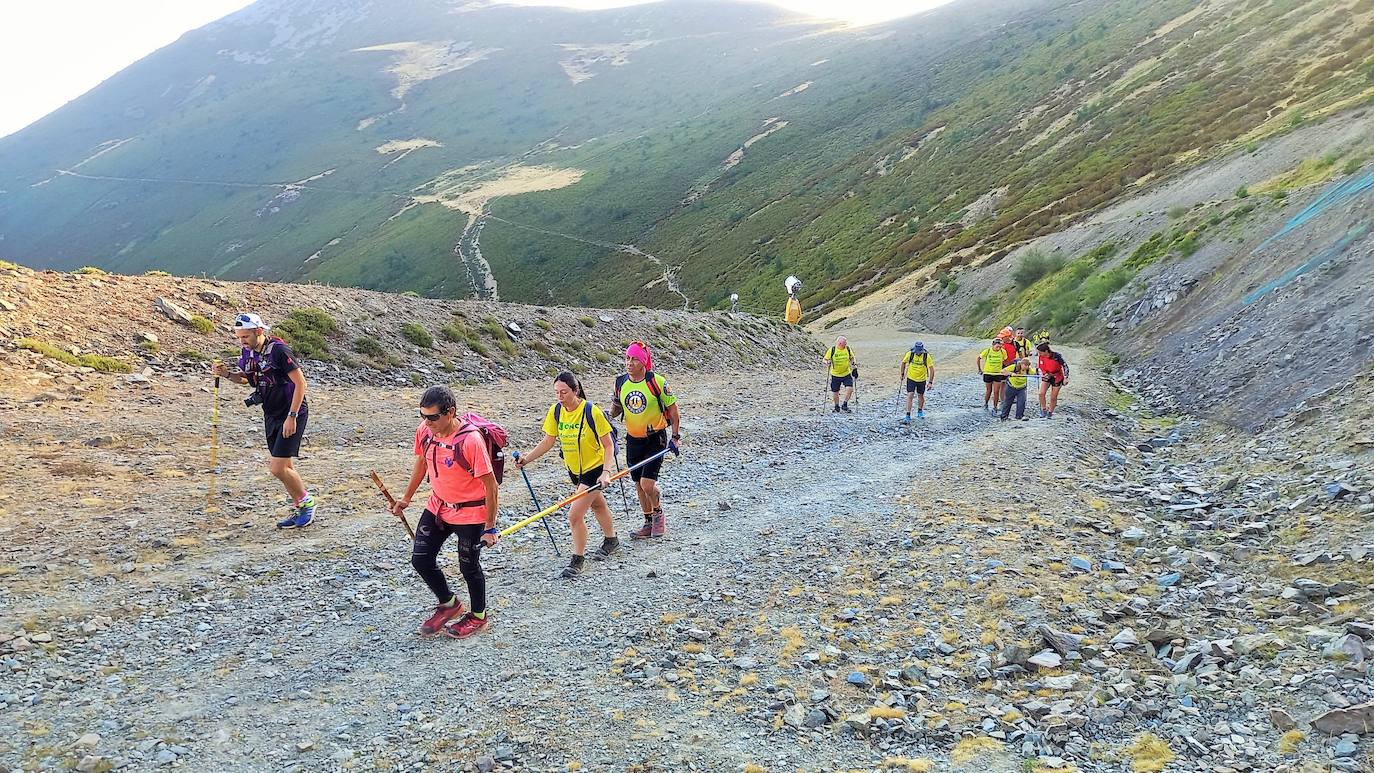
(831, 596)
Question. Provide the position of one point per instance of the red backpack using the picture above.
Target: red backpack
(493, 436)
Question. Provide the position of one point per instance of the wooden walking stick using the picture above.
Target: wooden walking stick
(210, 506)
(390, 500)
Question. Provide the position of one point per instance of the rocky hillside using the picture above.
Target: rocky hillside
(653, 147)
(1236, 291)
(59, 327)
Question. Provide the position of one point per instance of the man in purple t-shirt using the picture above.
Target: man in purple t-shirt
(268, 365)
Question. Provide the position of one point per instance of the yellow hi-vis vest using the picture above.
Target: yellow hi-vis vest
(793, 314)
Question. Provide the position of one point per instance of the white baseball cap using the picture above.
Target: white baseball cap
(247, 321)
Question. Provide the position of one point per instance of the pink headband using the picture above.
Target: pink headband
(638, 351)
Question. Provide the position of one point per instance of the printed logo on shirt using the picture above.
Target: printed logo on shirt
(635, 402)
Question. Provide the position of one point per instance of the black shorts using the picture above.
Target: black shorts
(284, 447)
(588, 478)
(919, 387)
(1052, 380)
(637, 449)
(993, 378)
(838, 381)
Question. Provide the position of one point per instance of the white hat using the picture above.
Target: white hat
(247, 321)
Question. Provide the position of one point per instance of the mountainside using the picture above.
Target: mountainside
(666, 154)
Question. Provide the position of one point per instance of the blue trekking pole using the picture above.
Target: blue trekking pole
(516, 455)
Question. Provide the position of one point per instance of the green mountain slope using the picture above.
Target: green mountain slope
(404, 146)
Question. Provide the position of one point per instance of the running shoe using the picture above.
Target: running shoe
(442, 615)
(845, 408)
(467, 625)
(660, 524)
(920, 414)
(906, 420)
(574, 568)
(645, 531)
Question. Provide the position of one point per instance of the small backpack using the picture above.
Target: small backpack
(1059, 358)
(493, 436)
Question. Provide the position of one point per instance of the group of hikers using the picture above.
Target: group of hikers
(462, 455)
(1007, 367)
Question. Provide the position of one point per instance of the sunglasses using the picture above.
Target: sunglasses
(432, 416)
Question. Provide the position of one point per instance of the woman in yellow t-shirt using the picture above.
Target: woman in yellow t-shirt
(588, 453)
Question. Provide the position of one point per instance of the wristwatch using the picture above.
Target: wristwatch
(293, 414)
(677, 437)
(489, 531)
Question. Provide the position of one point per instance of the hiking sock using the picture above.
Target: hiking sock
(480, 615)
(305, 501)
(452, 601)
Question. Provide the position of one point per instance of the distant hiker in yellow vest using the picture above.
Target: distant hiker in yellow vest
(1018, 374)
(842, 363)
(649, 407)
(990, 363)
(918, 370)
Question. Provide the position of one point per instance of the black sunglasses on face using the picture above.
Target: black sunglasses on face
(432, 416)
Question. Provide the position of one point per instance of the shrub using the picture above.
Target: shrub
(456, 332)
(5, 265)
(417, 380)
(497, 331)
(151, 347)
(1351, 167)
(544, 324)
(447, 365)
(1035, 266)
(192, 354)
(588, 321)
(947, 282)
(369, 347)
(305, 331)
(415, 333)
(1177, 212)
(94, 361)
(156, 272)
(347, 362)
(1242, 192)
(90, 270)
(202, 325)
(478, 347)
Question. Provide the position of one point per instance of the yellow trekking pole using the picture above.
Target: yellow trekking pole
(551, 509)
(210, 506)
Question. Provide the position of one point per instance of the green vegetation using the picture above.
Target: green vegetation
(151, 347)
(156, 272)
(417, 380)
(202, 325)
(1242, 192)
(416, 333)
(1036, 265)
(193, 354)
(369, 347)
(95, 361)
(6, 265)
(306, 330)
(588, 321)
(544, 324)
(90, 270)
(947, 282)
(497, 331)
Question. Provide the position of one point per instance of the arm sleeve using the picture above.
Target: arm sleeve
(550, 426)
(419, 441)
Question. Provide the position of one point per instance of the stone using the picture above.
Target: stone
(1133, 536)
(1169, 580)
(1311, 588)
(1117, 458)
(172, 311)
(1081, 564)
(1281, 720)
(91, 763)
(857, 678)
(1346, 748)
(102, 441)
(1356, 719)
(88, 741)
(1124, 640)
(1338, 490)
(815, 718)
(486, 764)
(145, 337)
(1045, 659)
(214, 298)
(794, 716)
(1065, 682)
(1061, 641)
(1348, 648)
(7, 306)
(504, 752)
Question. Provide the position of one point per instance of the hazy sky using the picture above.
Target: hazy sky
(52, 51)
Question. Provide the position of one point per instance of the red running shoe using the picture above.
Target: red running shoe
(467, 626)
(442, 615)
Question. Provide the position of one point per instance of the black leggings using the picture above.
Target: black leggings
(430, 535)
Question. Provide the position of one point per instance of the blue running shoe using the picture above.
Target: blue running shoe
(305, 515)
(920, 414)
(906, 420)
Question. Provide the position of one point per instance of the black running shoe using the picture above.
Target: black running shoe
(608, 547)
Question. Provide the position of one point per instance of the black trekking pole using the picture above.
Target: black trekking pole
(516, 455)
(855, 374)
(624, 500)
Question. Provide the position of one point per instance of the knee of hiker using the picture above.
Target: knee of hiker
(422, 560)
(279, 466)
